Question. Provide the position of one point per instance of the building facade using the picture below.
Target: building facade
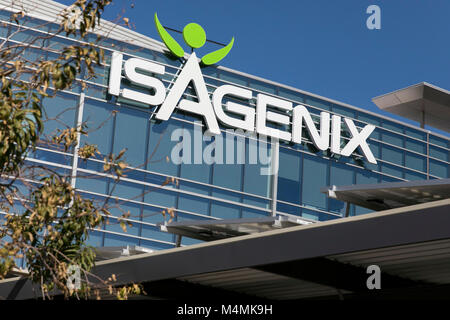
(154, 184)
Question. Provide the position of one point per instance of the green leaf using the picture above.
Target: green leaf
(170, 42)
(216, 56)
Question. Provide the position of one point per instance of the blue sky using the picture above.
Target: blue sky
(321, 46)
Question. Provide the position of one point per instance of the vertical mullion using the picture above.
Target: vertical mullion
(275, 154)
(79, 122)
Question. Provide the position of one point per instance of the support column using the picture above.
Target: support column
(80, 111)
(275, 155)
(347, 209)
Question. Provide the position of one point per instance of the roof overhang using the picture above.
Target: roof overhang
(308, 253)
(423, 102)
(382, 196)
(209, 230)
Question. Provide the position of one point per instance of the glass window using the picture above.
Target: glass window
(233, 78)
(263, 203)
(108, 43)
(197, 172)
(391, 154)
(250, 213)
(139, 51)
(439, 169)
(90, 164)
(290, 166)
(194, 187)
(224, 210)
(310, 214)
(316, 102)
(115, 240)
(210, 71)
(285, 208)
(410, 176)
(360, 210)
(168, 77)
(410, 132)
(59, 113)
(375, 148)
(227, 195)
(114, 224)
(160, 197)
(189, 217)
(59, 43)
(392, 126)
(5, 30)
(5, 15)
(47, 155)
(212, 84)
(154, 232)
(97, 92)
(99, 118)
(131, 134)
(388, 179)
(193, 204)
(261, 86)
(91, 182)
(228, 176)
(415, 145)
(255, 179)
(439, 153)
(141, 176)
(368, 118)
(415, 162)
(340, 175)
(196, 168)
(296, 97)
(314, 178)
(155, 215)
(28, 36)
(439, 141)
(160, 147)
(166, 59)
(125, 189)
(392, 138)
(346, 112)
(366, 177)
(33, 54)
(392, 170)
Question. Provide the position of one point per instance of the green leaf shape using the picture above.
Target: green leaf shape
(170, 42)
(217, 55)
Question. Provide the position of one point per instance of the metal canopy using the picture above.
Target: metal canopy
(105, 253)
(423, 102)
(411, 245)
(390, 195)
(209, 230)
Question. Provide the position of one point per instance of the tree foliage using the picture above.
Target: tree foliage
(51, 230)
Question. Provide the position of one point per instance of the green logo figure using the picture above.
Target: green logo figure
(195, 37)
